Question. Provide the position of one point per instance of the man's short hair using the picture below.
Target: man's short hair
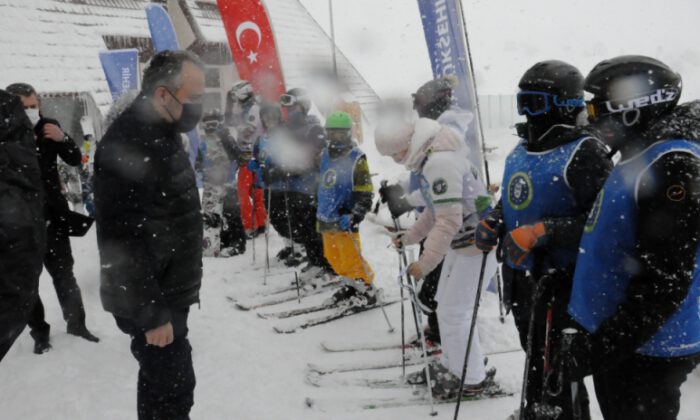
(21, 89)
(165, 69)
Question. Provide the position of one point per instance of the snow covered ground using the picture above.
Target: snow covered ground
(244, 369)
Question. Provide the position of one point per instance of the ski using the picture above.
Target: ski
(418, 397)
(375, 364)
(280, 297)
(337, 313)
(322, 380)
(347, 346)
(300, 311)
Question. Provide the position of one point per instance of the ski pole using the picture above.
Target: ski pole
(403, 323)
(267, 239)
(289, 226)
(529, 344)
(421, 335)
(296, 279)
(499, 287)
(471, 332)
(252, 216)
(366, 270)
(402, 255)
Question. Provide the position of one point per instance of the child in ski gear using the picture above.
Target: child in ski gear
(272, 178)
(636, 287)
(296, 155)
(344, 197)
(216, 167)
(250, 196)
(454, 195)
(563, 166)
(51, 143)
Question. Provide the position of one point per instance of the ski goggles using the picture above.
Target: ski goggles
(535, 103)
(290, 100)
(211, 125)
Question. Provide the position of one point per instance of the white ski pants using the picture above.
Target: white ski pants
(456, 296)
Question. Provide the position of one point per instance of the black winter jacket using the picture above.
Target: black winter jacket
(55, 205)
(22, 228)
(149, 221)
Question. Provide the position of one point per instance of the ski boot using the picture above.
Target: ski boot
(309, 272)
(41, 342)
(354, 293)
(230, 252)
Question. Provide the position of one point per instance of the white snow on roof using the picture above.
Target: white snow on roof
(54, 45)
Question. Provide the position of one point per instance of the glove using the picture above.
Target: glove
(397, 241)
(521, 241)
(393, 196)
(345, 222)
(487, 232)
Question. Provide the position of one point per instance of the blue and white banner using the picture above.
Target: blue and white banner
(445, 36)
(164, 38)
(121, 68)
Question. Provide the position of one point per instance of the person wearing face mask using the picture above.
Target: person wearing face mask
(52, 142)
(149, 230)
(636, 289)
(344, 198)
(550, 182)
(22, 227)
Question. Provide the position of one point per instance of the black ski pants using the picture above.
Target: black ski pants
(278, 213)
(298, 211)
(166, 376)
(642, 388)
(58, 261)
(520, 291)
(427, 293)
(233, 234)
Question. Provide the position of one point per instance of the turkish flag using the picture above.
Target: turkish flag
(252, 46)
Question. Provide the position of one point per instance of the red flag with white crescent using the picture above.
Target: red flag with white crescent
(253, 46)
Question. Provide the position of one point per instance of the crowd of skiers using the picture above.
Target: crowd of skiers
(596, 228)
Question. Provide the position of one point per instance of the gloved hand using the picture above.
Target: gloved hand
(393, 196)
(345, 222)
(415, 271)
(521, 241)
(397, 242)
(487, 232)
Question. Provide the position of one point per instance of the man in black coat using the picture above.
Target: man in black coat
(149, 230)
(22, 232)
(52, 142)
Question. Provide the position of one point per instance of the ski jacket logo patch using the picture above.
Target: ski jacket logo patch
(520, 191)
(439, 186)
(329, 178)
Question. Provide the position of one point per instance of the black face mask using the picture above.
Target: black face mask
(191, 114)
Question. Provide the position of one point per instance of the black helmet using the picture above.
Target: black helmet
(553, 89)
(633, 89)
(296, 96)
(434, 97)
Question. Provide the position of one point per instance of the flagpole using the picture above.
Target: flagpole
(335, 63)
(476, 95)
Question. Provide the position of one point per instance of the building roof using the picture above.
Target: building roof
(54, 44)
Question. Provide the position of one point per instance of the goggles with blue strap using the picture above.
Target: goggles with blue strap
(533, 103)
